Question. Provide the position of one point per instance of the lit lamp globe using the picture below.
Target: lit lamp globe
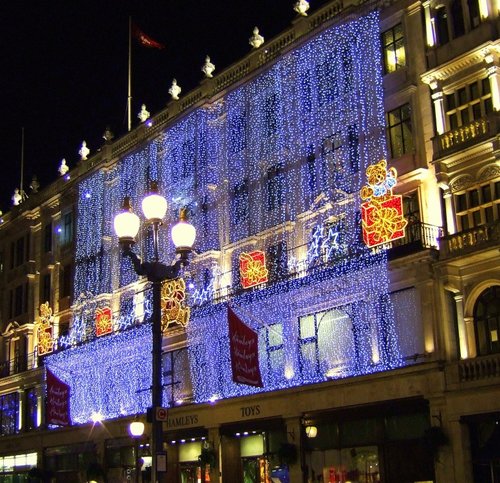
(154, 206)
(311, 431)
(183, 234)
(126, 223)
(136, 429)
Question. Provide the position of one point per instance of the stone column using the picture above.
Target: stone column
(462, 332)
(429, 28)
(294, 436)
(450, 212)
(494, 78)
(214, 442)
(437, 99)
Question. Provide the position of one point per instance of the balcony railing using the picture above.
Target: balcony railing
(479, 368)
(18, 364)
(467, 241)
(463, 136)
(418, 236)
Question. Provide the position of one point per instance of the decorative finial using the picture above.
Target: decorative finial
(208, 67)
(63, 167)
(16, 197)
(34, 185)
(108, 134)
(144, 115)
(301, 7)
(84, 151)
(175, 90)
(256, 40)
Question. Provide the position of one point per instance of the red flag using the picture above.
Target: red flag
(57, 402)
(145, 40)
(244, 347)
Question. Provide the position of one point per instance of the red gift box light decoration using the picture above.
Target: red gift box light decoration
(253, 269)
(382, 217)
(103, 323)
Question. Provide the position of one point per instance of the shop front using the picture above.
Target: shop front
(15, 468)
(369, 445)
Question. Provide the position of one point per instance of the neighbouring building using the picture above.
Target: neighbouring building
(378, 324)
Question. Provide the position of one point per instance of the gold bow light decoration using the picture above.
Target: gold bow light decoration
(103, 321)
(44, 330)
(174, 309)
(382, 218)
(253, 269)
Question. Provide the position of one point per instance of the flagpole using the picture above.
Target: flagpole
(129, 97)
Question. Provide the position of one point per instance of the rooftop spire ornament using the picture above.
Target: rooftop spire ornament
(301, 7)
(16, 197)
(208, 67)
(63, 167)
(144, 114)
(34, 185)
(108, 134)
(174, 90)
(256, 40)
(84, 151)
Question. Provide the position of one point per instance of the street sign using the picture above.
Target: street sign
(161, 414)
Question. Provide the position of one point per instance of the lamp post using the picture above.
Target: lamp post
(136, 430)
(127, 224)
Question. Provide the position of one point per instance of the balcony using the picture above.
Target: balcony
(479, 368)
(465, 136)
(18, 364)
(418, 236)
(472, 240)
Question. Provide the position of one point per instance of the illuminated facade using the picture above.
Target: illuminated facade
(373, 285)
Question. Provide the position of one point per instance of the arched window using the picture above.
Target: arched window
(487, 320)
(441, 20)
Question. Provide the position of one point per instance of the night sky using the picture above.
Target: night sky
(63, 73)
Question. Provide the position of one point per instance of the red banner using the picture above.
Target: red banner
(244, 347)
(145, 40)
(57, 402)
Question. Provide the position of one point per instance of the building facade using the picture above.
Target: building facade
(378, 348)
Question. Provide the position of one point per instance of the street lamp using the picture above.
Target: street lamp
(127, 224)
(136, 430)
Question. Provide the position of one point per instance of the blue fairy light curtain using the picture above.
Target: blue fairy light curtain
(275, 165)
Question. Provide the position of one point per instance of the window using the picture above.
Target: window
(237, 133)
(332, 166)
(469, 103)
(394, 49)
(311, 172)
(66, 229)
(275, 186)
(327, 79)
(46, 288)
(271, 341)
(20, 251)
(457, 15)
(478, 206)
(19, 300)
(47, 238)
(441, 24)
(9, 410)
(65, 281)
(400, 131)
(240, 202)
(326, 345)
(271, 113)
(487, 321)
(31, 409)
(474, 16)
(277, 261)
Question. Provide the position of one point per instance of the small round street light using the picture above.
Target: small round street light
(127, 226)
(136, 429)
